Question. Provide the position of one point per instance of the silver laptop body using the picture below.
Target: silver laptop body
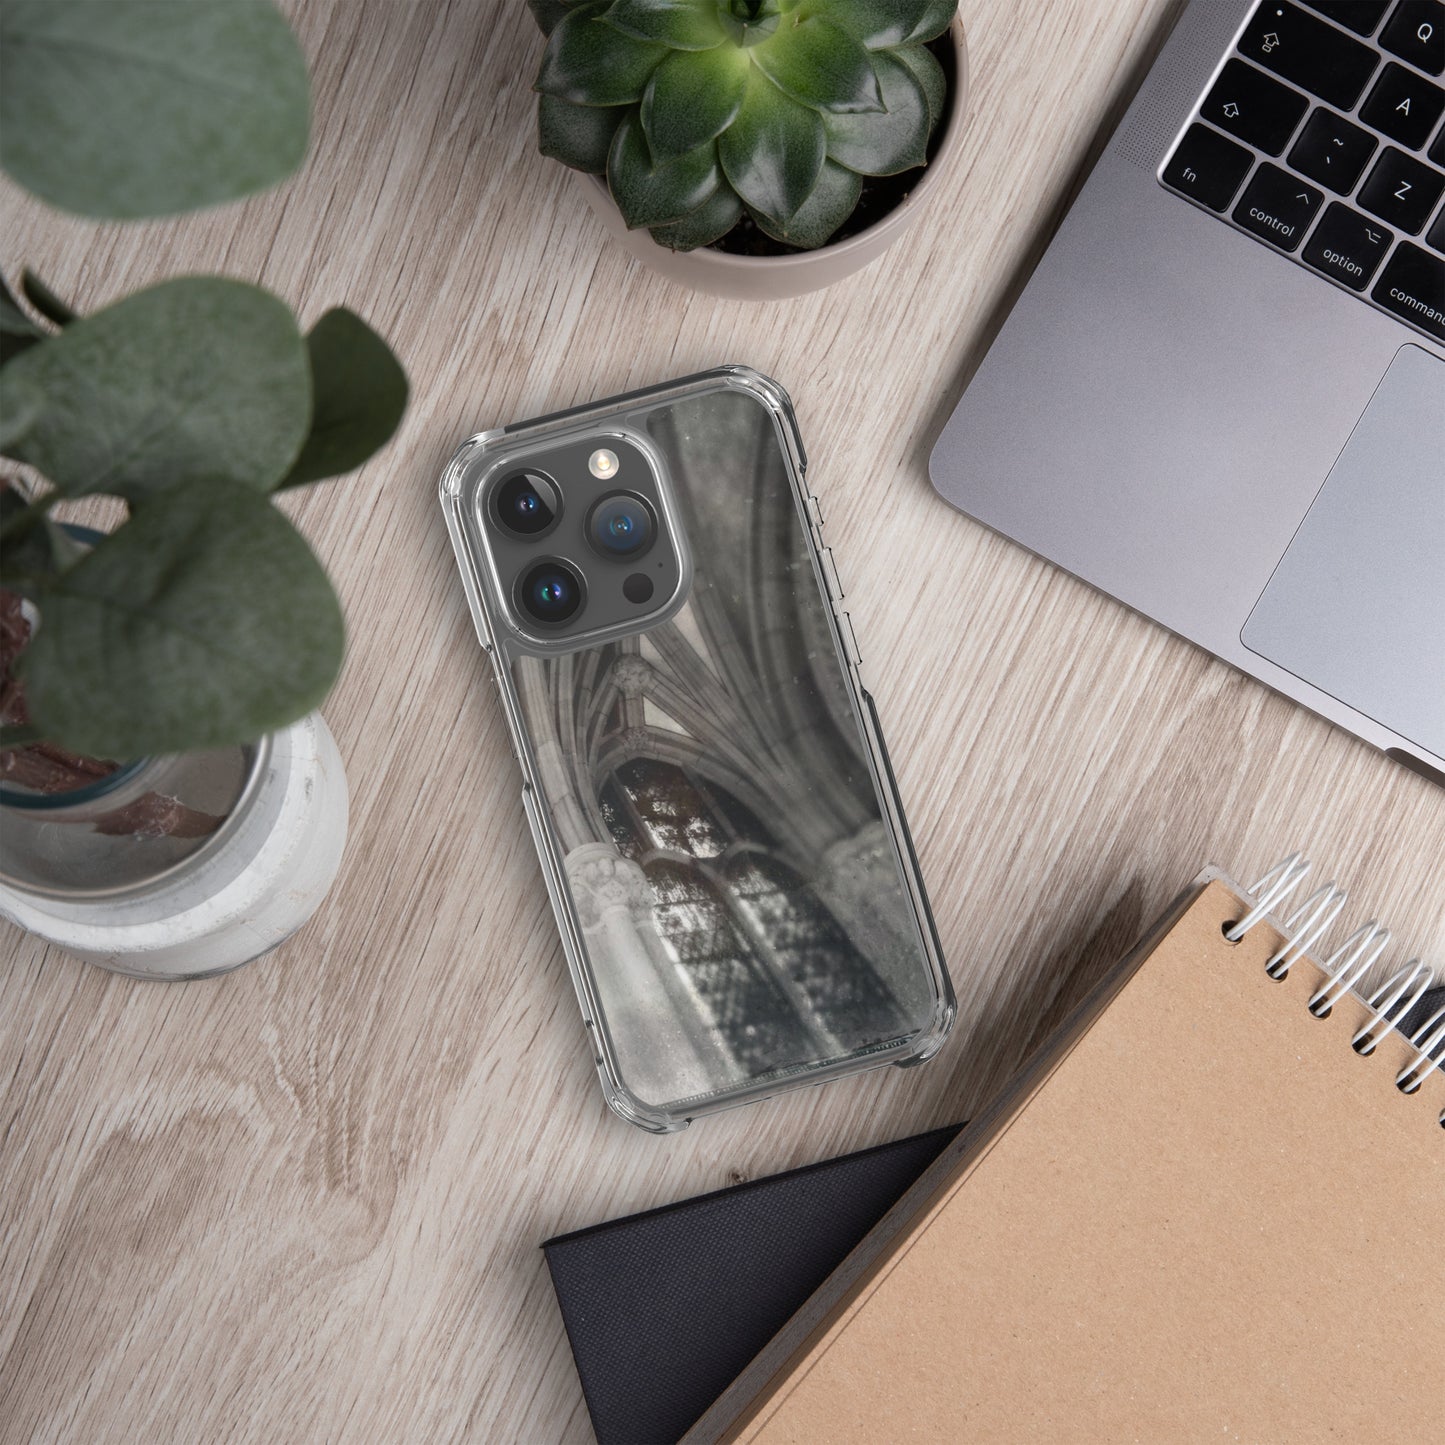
(1218, 436)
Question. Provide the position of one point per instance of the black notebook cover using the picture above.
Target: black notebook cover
(663, 1309)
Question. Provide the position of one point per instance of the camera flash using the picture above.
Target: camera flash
(602, 463)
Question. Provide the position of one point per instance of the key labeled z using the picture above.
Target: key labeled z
(1400, 194)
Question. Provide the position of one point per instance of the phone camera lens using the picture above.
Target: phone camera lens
(621, 525)
(527, 504)
(550, 593)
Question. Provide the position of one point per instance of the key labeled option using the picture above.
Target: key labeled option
(1207, 167)
(1401, 191)
(1278, 207)
(1348, 246)
(1260, 111)
(1413, 287)
(1332, 151)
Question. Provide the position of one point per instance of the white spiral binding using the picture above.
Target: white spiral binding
(1346, 966)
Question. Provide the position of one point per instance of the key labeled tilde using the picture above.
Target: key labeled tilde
(1278, 207)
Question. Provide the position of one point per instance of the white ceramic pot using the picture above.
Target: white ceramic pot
(228, 897)
(774, 278)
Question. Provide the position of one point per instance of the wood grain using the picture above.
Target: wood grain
(303, 1202)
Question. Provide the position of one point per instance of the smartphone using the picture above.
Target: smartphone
(702, 768)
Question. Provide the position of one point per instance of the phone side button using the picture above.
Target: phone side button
(850, 639)
(830, 575)
(815, 513)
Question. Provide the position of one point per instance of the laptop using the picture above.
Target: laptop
(1220, 398)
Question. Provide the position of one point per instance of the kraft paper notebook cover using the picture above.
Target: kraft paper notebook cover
(1200, 1214)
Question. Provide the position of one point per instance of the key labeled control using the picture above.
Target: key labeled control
(1278, 207)
(1348, 246)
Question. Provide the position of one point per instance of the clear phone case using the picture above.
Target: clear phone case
(710, 797)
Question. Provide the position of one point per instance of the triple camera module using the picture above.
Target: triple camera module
(601, 503)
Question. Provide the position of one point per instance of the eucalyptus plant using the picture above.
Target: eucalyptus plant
(203, 619)
(701, 111)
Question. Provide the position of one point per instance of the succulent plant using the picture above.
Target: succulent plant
(701, 111)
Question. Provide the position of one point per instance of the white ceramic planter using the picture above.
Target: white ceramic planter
(774, 278)
(256, 880)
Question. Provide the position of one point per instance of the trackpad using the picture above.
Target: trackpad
(1356, 606)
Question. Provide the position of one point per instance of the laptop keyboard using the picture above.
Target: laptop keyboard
(1323, 135)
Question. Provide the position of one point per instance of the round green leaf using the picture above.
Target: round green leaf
(772, 153)
(883, 145)
(929, 74)
(693, 96)
(590, 62)
(130, 108)
(577, 135)
(936, 17)
(198, 376)
(678, 24)
(875, 23)
(651, 195)
(830, 204)
(714, 218)
(203, 621)
(358, 393)
(548, 12)
(820, 65)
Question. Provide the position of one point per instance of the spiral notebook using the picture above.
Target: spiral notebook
(1210, 1209)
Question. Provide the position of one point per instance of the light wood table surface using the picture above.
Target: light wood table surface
(303, 1202)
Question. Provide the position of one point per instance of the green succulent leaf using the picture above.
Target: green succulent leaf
(204, 621)
(197, 376)
(17, 333)
(651, 194)
(772, 153)
(21, 406)
(713, 219)
(678, 24)
(936, 17)
(749, 22)
(929, 74)
(830, 204)
(358, 393)
(44, 300)
(548, 12)
(577, 135)
(820, 65)
(693, 97)
(876, 23)
(128, 108)
(590, 62)
(883, 145)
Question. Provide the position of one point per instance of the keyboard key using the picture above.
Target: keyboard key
(1207, 167)
(1278, 206)
(1416, 32)
(1413, 287)
(1437, 149)
(1347, 246)
(1361, 16)
(1332, 151)
(1401, 191)
(1403, 105)
(1260, 111)
(1435, 236)
(1311, 53)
